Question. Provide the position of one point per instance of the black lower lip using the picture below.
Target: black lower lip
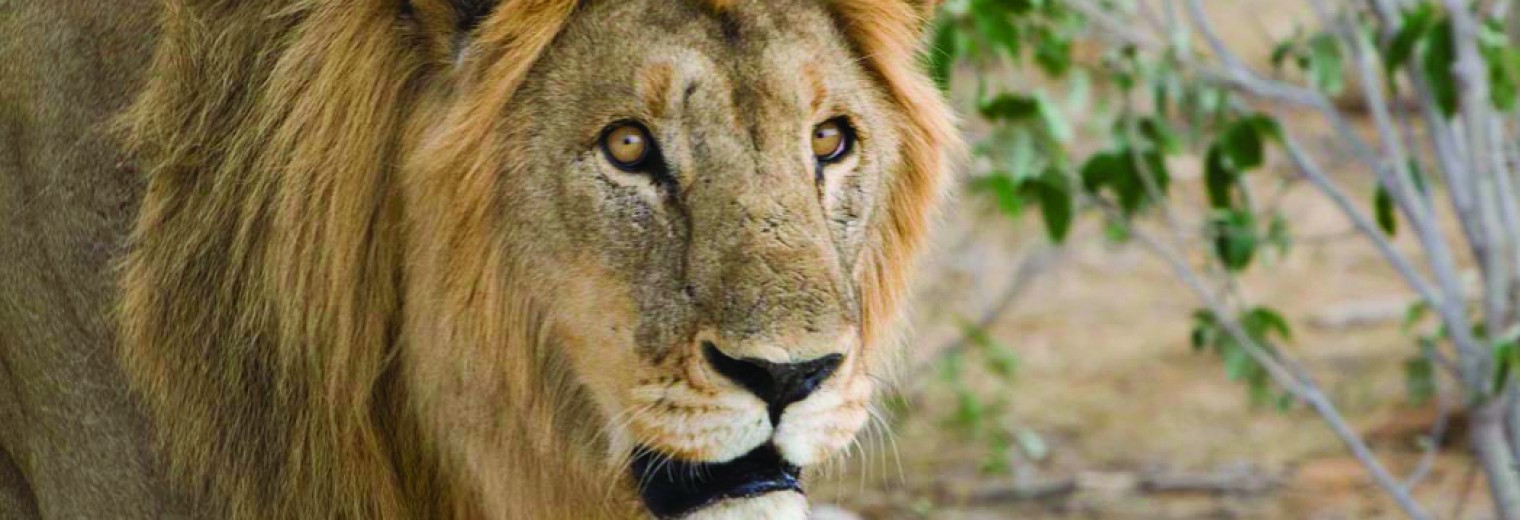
(671, 488)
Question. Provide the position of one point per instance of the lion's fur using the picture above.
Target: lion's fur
(289, 259)
(72, 445)
(264, 244)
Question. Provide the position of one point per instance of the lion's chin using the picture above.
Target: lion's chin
(776, 505)
(750, 486)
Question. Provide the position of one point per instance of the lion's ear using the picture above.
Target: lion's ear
(447, 24)
(469, 13)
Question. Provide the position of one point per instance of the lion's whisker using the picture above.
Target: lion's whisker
(624, 460)
(881, 422)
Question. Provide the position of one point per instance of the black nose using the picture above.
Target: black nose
(778, 384)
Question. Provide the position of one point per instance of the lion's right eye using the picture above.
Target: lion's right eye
(628, 146)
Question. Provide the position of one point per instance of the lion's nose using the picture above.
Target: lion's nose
(778, 384)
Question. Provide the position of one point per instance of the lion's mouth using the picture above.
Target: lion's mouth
(671, 488)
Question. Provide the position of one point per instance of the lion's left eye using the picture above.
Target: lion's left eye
(628, 146)
(832, 140)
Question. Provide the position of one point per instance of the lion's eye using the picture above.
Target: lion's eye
(627, 145)
(832, 140)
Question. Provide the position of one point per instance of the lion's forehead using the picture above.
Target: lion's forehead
(750, 56)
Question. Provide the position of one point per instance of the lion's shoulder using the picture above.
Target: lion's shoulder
(67, 199)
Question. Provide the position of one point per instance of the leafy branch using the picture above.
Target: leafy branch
(1440, 81)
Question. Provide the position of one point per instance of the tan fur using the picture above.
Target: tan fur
(329, 307)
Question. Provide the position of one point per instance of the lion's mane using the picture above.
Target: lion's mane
(288, 251)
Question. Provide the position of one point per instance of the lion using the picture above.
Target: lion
(453, 258)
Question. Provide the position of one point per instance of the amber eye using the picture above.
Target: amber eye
(627, 145)
(831, 140)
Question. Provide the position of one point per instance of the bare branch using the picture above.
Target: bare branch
(1296, 383)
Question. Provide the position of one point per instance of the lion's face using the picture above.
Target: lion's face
(698, 188)
(522, 258)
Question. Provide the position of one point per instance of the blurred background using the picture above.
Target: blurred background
(1059, 379)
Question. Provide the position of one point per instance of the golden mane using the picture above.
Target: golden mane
(286, 257)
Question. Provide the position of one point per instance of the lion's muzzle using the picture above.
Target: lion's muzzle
(672, 487)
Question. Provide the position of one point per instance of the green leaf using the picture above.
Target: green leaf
(1241, 147)
(1266, 127)
(1244, 148)
(1004, 189)
(1122, 66)
(1418, 174)
(1235, 238)
(1282, 51)
(1325, 63)
(1056, 208)
(1504, 85)
(1055, 121)
(1415, 24)
(1015, 145)
(1057, 203)
(1503, 65)
(970, 412)
(1101, 169)
(1019, 7)
(1010, 107)
(1382, 202)
(998, 453)
(1133, 192)
(1506, 359)
(1414, 314)
(1205, 316)
(1116, 231)
(1285, 402)
(1201, 337)
(1436, 63)
(1160, 135)
(1278, 234)
(1245, 142)
(1001, 360)
(1052, 52)
(1238, 365)
(943, 52)
(1219, 176)
(1419, 380)
(1205, 332)
(1261, 322)
(992, 22)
